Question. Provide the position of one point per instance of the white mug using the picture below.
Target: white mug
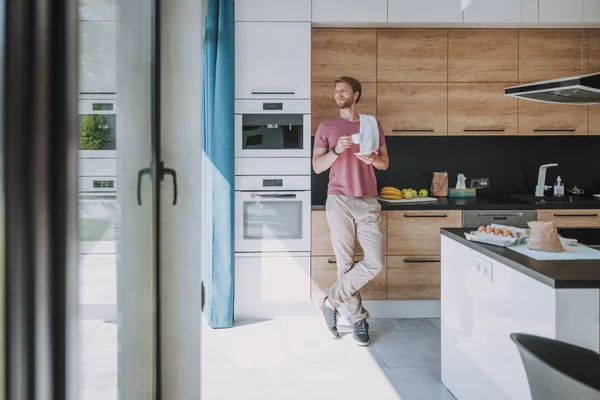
(357, 138)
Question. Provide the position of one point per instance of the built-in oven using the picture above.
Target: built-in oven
(271, 128)
(272, 214)
(99, 215)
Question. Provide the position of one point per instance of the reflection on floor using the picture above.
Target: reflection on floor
(288, 359)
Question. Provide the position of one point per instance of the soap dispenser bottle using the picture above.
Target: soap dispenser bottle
(559, 188)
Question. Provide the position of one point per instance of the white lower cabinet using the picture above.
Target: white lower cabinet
(482, 303)
(272, 285)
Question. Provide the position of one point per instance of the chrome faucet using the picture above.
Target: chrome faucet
(541, 183)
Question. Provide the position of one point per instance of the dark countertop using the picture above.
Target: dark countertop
(483, 203)
(571, 274)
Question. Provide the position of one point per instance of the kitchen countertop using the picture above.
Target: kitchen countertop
(559, 274)
(483, 203)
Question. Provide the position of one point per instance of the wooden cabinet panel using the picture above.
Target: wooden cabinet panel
(594, 120)
(412, 55)
(339, 52)
(536, 118)
(546, 54)
(483, 55)
(418, 232)
(413, 108)
(323, 106)
(594, 50)
(324, 274)
(413, 278)
(481, 109)
(321, 237)
(579, 218)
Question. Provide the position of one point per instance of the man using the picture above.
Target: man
(351, 208)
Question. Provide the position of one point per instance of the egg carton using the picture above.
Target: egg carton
(520, 236)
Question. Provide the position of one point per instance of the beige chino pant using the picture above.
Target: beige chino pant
(350, 218)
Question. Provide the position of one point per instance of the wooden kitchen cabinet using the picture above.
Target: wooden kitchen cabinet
(571, 218)
(536, 118)
(413, 277)
(413, 108)
(412, 55)
(483, 55)
(594, 120)
(321, 237)
(481, 109)
(418, 232)
(323, 106)
(546, 54)
(339, 52)
(324, 274)
(266, 66)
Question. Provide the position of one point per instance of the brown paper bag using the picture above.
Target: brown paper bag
(439, 184)
(544, 237)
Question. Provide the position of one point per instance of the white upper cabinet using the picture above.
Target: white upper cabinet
(424, 11)
(591, 11)
(505, 11)
(272, 60)
(272, 10)
(561, 11)
(349, 10)
(97, 57)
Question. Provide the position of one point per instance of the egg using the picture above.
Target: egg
(481, 229)
(497, 231)
(489, 230)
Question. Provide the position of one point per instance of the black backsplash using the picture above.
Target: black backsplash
(511, 163)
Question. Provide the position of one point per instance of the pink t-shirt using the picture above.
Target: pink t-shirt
(349, 176)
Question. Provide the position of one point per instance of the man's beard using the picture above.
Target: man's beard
(346, 103)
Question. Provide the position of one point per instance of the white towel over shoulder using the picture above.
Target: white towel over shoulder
(370, 134)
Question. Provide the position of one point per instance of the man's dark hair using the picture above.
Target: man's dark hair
(354, 84)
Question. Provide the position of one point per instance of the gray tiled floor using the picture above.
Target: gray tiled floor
(289, 359)
(296, 359)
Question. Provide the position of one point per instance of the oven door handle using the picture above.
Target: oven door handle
(273, 196)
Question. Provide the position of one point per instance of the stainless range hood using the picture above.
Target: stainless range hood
(584, 89)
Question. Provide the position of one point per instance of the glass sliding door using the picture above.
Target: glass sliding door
(117, 118)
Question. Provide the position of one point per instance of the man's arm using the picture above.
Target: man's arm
(379, 159)
(323, 159)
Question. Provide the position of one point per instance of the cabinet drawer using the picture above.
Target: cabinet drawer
(582, 218)
(324, 274)
(407, 109)
(418, 232)
(476, 109)
(321, 237)
(413, 278)
(536, 118)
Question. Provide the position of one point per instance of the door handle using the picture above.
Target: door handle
(162, 171)
(169, 171)
(273, 196)
(141, 173)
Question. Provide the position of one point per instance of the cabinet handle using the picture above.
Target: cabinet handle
(575, 215)
(420, 260)
(426, 216)
(253, 92)
(484, 130)
(413, 130)
(333, 260)
(554, 130)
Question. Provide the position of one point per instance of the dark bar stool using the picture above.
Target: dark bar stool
(557, 370)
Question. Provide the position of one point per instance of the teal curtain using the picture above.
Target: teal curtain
(218, 163)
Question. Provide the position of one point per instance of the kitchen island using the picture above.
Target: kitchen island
(489, 292)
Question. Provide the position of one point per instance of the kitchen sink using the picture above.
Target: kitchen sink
(555, 200)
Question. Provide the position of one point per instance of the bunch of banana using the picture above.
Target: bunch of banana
(391, 193)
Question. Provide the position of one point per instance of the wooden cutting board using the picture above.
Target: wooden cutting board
(415, 200)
